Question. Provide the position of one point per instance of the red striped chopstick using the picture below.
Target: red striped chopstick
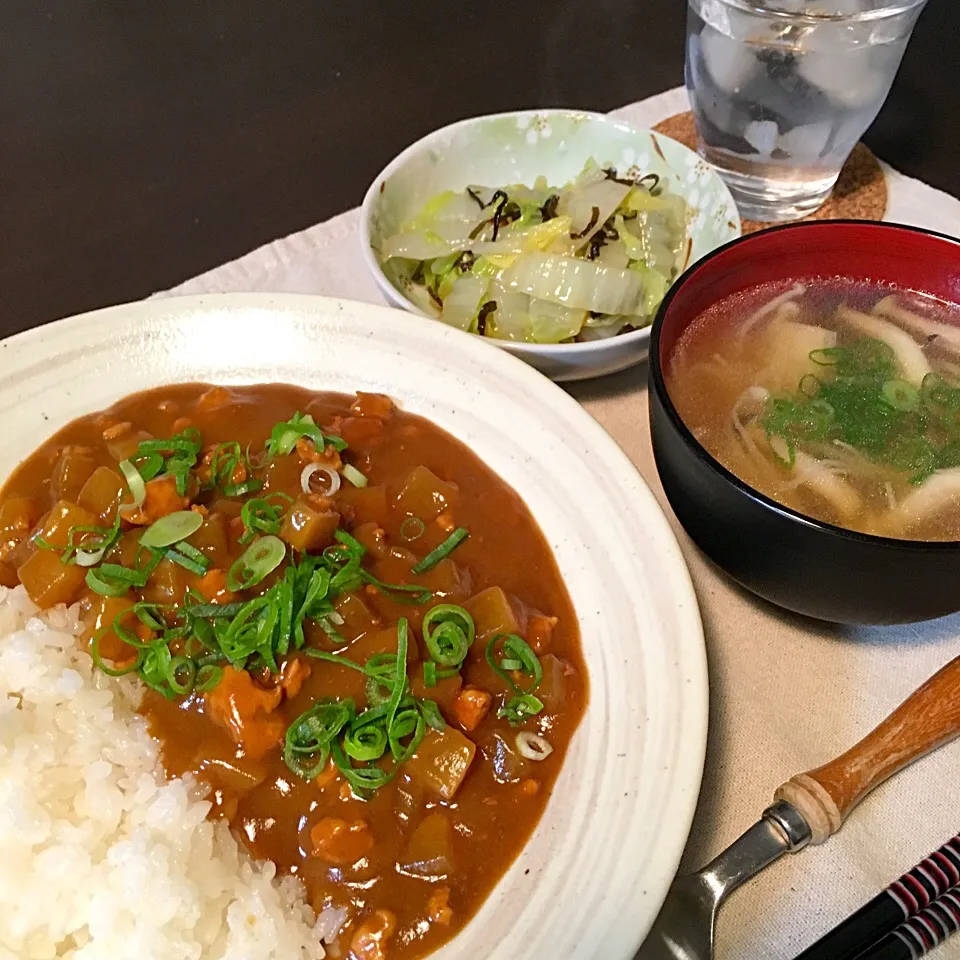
(909, 897)
(921, 933)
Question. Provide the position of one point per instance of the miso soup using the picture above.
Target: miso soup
(837, 398)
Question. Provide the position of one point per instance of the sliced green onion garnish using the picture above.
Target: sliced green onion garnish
(113, 580)
(429, 674)
(520, 708)
(171, 529)
(900, 395)
(352, 474)
(412, 528)
(149, 465)
(262, 557)
(433, 716)
(444, 550)
(338, 659)
(284, 436)
(261, 516)
(398, 592)
(517, 656)
(188, 549)
(309, 738)
(198, 567)
(138, 489)
(208, 676)
(448, 632)
(242, 489)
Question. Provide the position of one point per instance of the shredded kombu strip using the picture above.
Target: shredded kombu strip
(482, 315)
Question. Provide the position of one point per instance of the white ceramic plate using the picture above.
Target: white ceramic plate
(518, 147)
(591, 880)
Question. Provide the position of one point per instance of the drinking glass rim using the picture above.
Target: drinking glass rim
(759, 7)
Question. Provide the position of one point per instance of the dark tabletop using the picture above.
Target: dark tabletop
(144, 141)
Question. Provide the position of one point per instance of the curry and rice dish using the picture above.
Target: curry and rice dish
(342, 622)
(839, 399)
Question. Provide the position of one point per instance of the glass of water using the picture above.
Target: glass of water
(782, 90)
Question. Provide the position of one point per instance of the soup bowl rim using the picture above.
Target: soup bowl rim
(686, 434)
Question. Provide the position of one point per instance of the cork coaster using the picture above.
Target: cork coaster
(860, 193)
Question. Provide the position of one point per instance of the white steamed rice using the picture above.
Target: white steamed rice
(100, 855)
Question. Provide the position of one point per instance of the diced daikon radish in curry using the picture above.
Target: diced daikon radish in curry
(213, 539)
(442, 761)
(283, 474)
(373, 538)
(492, 613)
(310, 523)
(71, 472)
(48, 581)
(18, 516)
(98, 615)
(103, 493)
(421, 493)
(369, 504)
(61, 519)
(124, 445)
(429, 851)
(383, 640)
(444, 692)
(553, 688)
(447, 580)
(358, 618)
(168, 583)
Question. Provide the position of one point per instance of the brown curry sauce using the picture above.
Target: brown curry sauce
(411, 866)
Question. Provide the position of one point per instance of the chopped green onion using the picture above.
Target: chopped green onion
(309, 738)
(172, 528)
(259, 515)
(518, 656)
(900, 395)
(149, 466)
(261, 558)
(336, 658)
(188, 563)
(432, 715)
(113, 580)
(368, 742)
(208, 676)
(242, 489)
(448, 632)
(284, 436)
(444, 550)
(409, 593)
(520, 708)
(188, 549)
(412, 528)
(429, 673)
(181, 675)
(135, 484)
(353, 475)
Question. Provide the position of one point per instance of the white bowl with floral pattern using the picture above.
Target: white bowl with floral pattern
(518, 147)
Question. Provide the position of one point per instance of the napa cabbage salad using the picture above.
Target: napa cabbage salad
(543, 264)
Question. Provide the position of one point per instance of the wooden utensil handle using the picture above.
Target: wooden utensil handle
(923, 722)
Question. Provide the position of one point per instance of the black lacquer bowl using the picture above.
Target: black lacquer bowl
(796, 562)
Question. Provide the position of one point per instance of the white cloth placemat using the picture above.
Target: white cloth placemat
(787, 694)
